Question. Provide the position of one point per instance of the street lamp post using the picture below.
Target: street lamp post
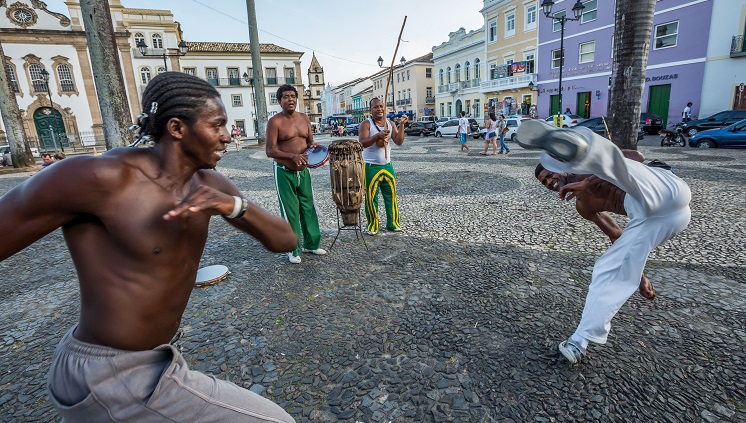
(253, 100)
(380, 65)
(577, 11)
(45, 76)
(143, 48)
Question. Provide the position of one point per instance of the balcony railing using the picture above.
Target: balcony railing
(507, 83)
(404, 102)
(737, 46)
(430, 100)
(229, 82)
(442, 88)
(453, 86)
(389, 103)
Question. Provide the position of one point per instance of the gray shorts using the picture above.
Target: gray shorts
(94, 383)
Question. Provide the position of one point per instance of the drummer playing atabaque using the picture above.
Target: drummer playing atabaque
(289, 135)
(135, 221)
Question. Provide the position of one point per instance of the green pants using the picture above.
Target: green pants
(295, 194)
(381, 176)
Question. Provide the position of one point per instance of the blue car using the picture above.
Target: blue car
(733, 136)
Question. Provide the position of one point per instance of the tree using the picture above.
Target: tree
(107, 72)
(20, 151)
(634, 24)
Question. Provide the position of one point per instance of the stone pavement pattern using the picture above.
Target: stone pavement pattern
(456, 319)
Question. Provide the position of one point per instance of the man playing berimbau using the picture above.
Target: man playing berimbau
(135, 221)
(655, 200)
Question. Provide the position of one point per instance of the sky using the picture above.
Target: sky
(347, 36)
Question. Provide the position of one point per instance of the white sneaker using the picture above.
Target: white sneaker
(318, 251)
(294, 259)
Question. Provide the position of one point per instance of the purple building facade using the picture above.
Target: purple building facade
(676, 62)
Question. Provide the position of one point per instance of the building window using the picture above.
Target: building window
(407, 75)
(477, 73)
(65, 76)
(530, 17)
(233, 77)
(157, 41)
(429, 92)
(457, 73)
(271, 76)
(556, 26)
(212, 76)
(589, 13)
(556, 58)
(37, 82)
(509, 67)
(587, 52)
(190, 71)
(409, 93)
(666, 35)
(145, 76)
(442, 110)
(510, 24)
(160, 70)
(477, 108)
(317, 79)
(450, 109)
(13, 78)
(466, 71)
(318, 93)
(530, 66)
(397, 77)
(448, 75)
(428, 72)
(289, 76)
(492, 32)
(318, 108)
(272, 99)
(440, 77)
(139, 36)
(237, 100)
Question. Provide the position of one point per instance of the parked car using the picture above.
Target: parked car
(351, 129)
(431, 119)
(732, 136)
(5, 159)
(513, 122)
(450, 128)
(421, 128)
(716, 121)
(651, 123)
(444, 119)
(568, 121)
(596, 125)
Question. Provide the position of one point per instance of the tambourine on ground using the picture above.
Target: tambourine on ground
(317, 156)
(211, 275)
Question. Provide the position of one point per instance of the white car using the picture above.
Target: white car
(441, 121)
(568, 121)
(513, 124)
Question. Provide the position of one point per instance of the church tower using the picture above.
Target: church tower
(315, 88)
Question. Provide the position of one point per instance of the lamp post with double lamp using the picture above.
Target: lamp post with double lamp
(577, 11)
(380, 65)
(143, 48)
(248, 79)
(45, 77)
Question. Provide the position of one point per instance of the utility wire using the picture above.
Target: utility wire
(284, 39)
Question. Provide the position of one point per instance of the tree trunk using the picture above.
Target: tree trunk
(256, 63)
(634, 24)
(107, 72)
(20, 151)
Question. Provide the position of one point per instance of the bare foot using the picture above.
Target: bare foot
(646, 288)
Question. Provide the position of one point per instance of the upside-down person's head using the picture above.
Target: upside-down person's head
(173, 95)
(547, 178)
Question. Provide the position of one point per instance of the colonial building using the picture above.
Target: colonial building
(315, 87)
(723, 85)
(37, 41)
(676, 61)
(459, 69)
(510, 38)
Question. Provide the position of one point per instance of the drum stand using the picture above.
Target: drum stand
(358, 228)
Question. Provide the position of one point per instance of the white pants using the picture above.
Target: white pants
(657, 204)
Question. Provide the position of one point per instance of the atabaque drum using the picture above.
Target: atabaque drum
(347, 172)
(211, 275)
(317, 156)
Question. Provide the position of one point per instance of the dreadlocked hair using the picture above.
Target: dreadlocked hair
(172, 95)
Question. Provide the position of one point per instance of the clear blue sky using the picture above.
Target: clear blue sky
(348, 36)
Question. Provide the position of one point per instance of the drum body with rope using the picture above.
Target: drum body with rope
(347, 172)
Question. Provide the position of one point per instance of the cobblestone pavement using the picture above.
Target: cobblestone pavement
(456, 319)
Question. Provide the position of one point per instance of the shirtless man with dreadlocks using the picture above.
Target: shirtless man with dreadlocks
(135, 221)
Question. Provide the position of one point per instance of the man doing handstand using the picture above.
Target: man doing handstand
(655, 200)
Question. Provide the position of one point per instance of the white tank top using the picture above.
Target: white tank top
(375, 154)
